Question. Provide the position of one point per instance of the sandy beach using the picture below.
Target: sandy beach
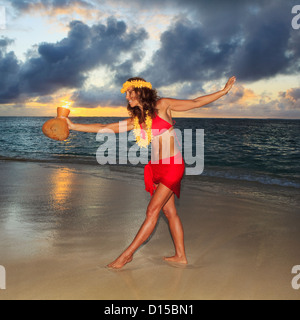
(61, 224)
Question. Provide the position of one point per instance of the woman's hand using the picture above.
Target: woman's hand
(71, 125)
(229, 85)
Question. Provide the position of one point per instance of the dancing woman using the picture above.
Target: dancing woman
(151, 120)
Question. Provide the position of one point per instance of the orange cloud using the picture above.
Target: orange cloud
(242, 95)
(76, 9)
(293, 94)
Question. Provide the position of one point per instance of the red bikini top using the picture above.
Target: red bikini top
(159, 126)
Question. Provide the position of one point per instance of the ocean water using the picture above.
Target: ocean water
(263, 151)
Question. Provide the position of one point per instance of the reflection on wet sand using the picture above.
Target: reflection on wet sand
(61, 187)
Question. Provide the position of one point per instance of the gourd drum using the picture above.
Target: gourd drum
(57, 129)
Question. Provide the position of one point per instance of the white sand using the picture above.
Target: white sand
(60, 225)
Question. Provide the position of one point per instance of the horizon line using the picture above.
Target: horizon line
(231, 118)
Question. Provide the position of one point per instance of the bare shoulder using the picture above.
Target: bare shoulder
(163, 108)
(162, 105)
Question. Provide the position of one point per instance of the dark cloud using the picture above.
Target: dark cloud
(46, 99)
(252, 40)
(291, 98)
(98, 97)
(125, 70)
(9, 70)
(295, 93)
(5, 42)
(266, 41)
(188, 54)
(65, 64)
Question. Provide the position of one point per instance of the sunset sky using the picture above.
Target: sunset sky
(82, 51)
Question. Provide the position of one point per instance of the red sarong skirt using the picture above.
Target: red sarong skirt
(169, 174)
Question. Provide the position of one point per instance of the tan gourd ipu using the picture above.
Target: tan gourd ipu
(57, 129)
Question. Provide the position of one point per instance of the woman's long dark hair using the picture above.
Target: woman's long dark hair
(147, 97)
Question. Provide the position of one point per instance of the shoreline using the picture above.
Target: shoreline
(288, 195)
(61, 225)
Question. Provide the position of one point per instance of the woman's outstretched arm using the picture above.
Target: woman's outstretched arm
(185, 105)
(117, 127)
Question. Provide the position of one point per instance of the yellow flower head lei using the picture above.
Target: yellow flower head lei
(141, 142)
(135, 84)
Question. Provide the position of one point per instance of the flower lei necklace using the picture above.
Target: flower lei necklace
(141, 142)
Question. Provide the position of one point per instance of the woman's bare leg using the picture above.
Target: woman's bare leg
(177, 232)
(158, 201)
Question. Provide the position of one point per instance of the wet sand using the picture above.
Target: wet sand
(61, 224)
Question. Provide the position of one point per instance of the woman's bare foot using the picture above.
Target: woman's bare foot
(176, 259)
(120, 262)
